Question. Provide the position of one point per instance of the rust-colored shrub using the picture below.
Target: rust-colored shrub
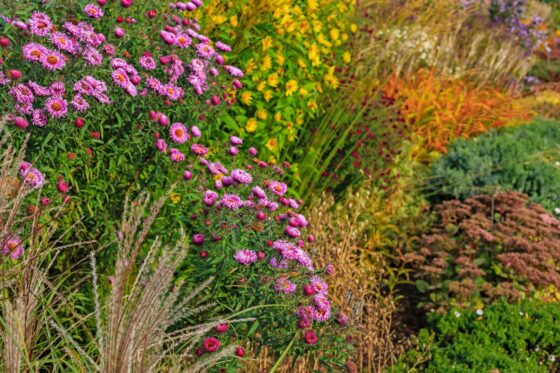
(488, 247)
(438, 108)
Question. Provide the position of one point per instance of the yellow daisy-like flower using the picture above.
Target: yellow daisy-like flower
(219, 19)
(353, 27)
(312, 5)
(273, 80)
(261, 86)
(272, 144)
(301, 63)
(262, 114)
(347, 57)
(251, 125)
(280, 58)
(303, 92)
(317, 26)
(234, 21)
(266, 43)
(247, 98)
(174, 197)
(268, 95)
(278, 116)
(291, 87)
(334, 34)
(312, 105)
(314, 55)
(266, 63)
(299, 120)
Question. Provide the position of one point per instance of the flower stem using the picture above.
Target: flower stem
(284, 353)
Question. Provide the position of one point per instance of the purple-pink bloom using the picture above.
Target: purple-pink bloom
(284, 285)
(245, 257)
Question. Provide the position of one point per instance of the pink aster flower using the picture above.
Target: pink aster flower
(283, 285)
(120, 77)
(63, 42)
(147, 62)
(93, 57)
(319, 285)
(199, 149)
(259, 192)
(231, 201)
(321, 302)
(34, 178)
(38, 89)
(211, 344)
(33, 51)
(210, 197)
(292, 232)
(234, 140)
(305, 312)
(39, 118)
(204, 51)
(161, 145)
(223, 47)
(21, 93)
(245, 257)
(322, 315)
(13, 247)
(40, 24)
(179, 133)
(183, 41)
(80, 104)
(175, 155)
(56, 106)
(93, 11)
(242, 176)
(173, 92)
(53, 60)
(57, 88)
(234, 71)
(278, 188)
(196, 131)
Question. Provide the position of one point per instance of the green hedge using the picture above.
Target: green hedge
(508, 338)
(522, 158)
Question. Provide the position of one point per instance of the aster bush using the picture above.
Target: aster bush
(117, 98)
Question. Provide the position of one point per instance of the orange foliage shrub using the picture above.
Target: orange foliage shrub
(438, 109)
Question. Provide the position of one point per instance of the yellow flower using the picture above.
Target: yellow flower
(312, 105)
(247, 98)
(280, 58)
(299, 120)
(262, 114)
(303, 92)
(273, 80)
(278, 116)
(250, 66)
(314, 55)
(317, 26)
(334, 33)
(266, 43)
(291, 87)
(346, 57)
(174, 197)
(219, 19)
(291, 137)
(353, 27)
(233, 21)
(261, 86)
(321, 39)
(272, 144)
(251, 125)
(312, 5)
(301, 63)
(267, 95)
(266, 63)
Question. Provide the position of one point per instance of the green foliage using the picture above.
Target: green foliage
(509, 338)
(520, 158)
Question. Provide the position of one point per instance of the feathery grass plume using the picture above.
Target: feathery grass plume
(137, 319)
(28, 293)
(400, 38)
